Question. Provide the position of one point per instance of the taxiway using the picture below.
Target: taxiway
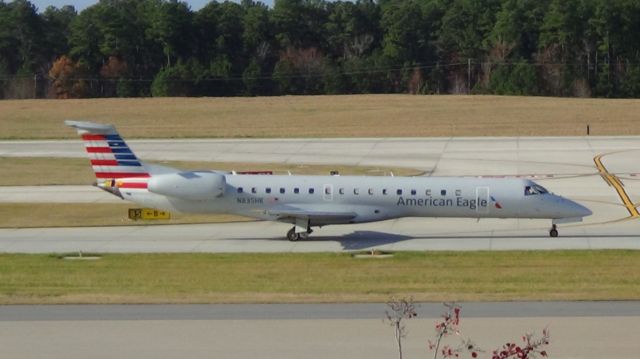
(409, 234)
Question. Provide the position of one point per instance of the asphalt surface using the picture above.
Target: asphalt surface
(398, 235)
(438, 156)
(583, 330)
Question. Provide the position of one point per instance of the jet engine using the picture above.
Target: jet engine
(194, 185)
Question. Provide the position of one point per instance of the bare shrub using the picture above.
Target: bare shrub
(398, 310)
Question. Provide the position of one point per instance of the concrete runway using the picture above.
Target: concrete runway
(565, 165)
(578, 330)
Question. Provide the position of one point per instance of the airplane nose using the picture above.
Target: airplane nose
(584, 211)
(578, 210)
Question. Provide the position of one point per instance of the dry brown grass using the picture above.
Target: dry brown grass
(325, 116)
(36, 215)
(27, 171)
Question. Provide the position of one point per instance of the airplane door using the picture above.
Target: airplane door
(482, 197)
(327, 192)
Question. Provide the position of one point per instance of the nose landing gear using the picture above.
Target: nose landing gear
(554, 231)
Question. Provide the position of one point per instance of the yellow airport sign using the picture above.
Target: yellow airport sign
(148, 214)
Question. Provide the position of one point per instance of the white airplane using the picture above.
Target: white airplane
(315, 201)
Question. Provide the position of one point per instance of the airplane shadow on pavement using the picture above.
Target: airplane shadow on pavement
(358, 240)
(366, 240)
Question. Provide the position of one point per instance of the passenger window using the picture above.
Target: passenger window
(311, 191)
(327, 190)
(443, 192)
(282, 190)
(254, 190)
(413, 192)
(356, 191)
(458, 192)
(371, 191)
(268, 190)
(239, 189)
(384, 191)
(341, 191)
(428, 192)
(296, 190)
(399, 192)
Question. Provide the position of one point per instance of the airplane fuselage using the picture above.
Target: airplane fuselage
(371, 198)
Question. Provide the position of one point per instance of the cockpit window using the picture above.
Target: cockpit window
(534, 190)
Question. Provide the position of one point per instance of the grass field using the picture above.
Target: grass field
(27, 171)
(325, 116)
(284, 278)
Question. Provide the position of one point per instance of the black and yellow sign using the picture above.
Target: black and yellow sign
(148, 214)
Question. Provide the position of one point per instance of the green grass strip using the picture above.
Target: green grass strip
(324, 277)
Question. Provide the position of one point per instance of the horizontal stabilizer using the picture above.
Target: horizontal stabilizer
(84, 127)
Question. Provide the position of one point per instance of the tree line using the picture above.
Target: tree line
(588, 48)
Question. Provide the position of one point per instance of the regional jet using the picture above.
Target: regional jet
(314, 201)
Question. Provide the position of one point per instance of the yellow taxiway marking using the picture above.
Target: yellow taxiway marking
(615, 182)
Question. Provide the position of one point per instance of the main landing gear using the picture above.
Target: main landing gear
(554, 231)
(293, 236)
(302, 229)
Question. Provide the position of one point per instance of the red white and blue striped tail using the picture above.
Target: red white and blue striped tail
(110, 156)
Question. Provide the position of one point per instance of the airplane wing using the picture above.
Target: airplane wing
(321, 216)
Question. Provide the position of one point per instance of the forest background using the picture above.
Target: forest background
(141, 48)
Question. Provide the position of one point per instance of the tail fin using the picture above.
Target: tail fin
(110, 156)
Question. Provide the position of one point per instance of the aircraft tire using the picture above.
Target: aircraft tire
(553, 233)
(292, 236)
